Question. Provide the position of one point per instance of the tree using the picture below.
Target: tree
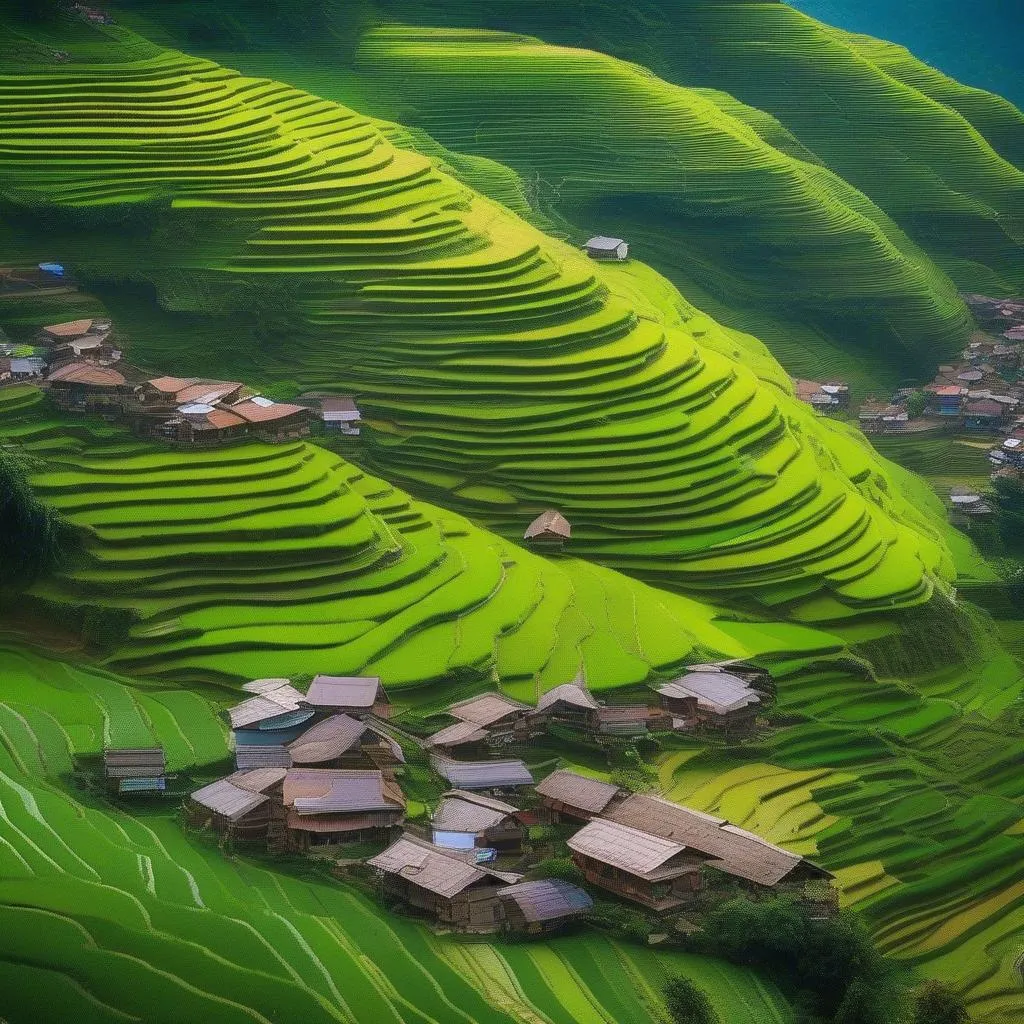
(33, 538)
(917, 402)
(937, 1003)
(687, 1004)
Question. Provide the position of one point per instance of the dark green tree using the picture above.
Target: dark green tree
(687, 1004)
(917, 402)
(937, 1003)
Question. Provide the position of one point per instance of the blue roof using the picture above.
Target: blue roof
(157, 785)
(53, 268)
(548, 899)
(286, 720)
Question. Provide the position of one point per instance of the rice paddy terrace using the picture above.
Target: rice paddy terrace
(497, 369)
(116, 916)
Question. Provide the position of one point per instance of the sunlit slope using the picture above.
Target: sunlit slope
(111, 916)
(735, 204)
(259, 560)
(498, 369)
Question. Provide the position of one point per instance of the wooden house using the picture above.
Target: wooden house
(985, 415)
(567, 796)
(323, 806)
(465, 820)
(252, 755)
(341, 415)
(57, 334)
(86, 387)
(465, 738)
(731, 850)
(240, 806)
(659, 873)
(342, 741)
(273, 421)
(604, 247)
(494, 777)
(356, 696)
(632, 720)
(715, 700)
(543, 906)
(274, 715)
(135, 770)
(570, 705)
(506, 721)
(549, 530)
(200, 424)
(446, 884)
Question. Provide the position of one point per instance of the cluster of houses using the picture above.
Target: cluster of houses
(83, 371)
(323, 767)
(828, 398)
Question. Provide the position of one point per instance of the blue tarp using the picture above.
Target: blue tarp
(57, 269)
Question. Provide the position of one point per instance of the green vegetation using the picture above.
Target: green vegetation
(936, 1003)
(687, 1004)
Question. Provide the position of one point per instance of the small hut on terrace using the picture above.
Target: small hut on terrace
(341, 741)
(717, 700)
(273, 716)
(604, 247)
(570, 705)
(239, 806)
(489, 776)
(447, 884)
(135, 769)
(506, 721)
(543, 906)
(464, 821)
(356, 696)
(659, 873)
(568, 796)
(460, 737)
(549, 530)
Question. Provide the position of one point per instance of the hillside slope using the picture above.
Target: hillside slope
(497, 368)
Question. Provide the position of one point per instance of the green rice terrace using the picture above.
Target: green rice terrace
(390, 204)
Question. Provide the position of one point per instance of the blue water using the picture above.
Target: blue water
(978, 42)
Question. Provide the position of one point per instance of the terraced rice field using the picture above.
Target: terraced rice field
(515, 376)
(113, 914)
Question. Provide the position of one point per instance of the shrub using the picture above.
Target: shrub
(560, 867)
(687, 1004)
(937, 1003)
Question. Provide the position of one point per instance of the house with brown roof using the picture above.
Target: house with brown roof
(568, 796)
(713, 700)
(446, 884)
(465, 738)
(274, 714)
(135, 769)
(201, 424)
(570, 705)
(543, 906)
(465, 821)
(341, 415)
(985, 414)
(71, 330)
(324, 806)
(240, 806)
(661, 874)
(87, 387)
(357, 696)
(549, 530)
(631, 720)
(505, 721)
(729, 849)
(341, 741)
(275, 421)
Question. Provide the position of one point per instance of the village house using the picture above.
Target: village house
(27, 368)
(324, 806)
(505, 721)
(824, 398)
(62, 334)
(465, 738)
(465, 821)
(658, 873)
(341, 415)
(240, 806)
(631, 720)
(712, 700)
(567, 796)
(494, 777)
(135, 770)
(945, 399)
(984, 415)
(602, 247)
(753, 675)
(968, 510)
(570, 705)
(273, 716)
(731, 850)
(356, 696)
(341, 741)
(254, 755)
(543, 906)
(5, 369)
(1006, 357)
(85, 387)
(273, 421)
(549, 530)
(446, 884)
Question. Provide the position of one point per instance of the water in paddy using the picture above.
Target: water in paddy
(980, 43)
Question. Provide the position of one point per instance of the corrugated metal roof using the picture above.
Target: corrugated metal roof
(454, 735)
(736, 851)
(223, 797)
(718, 691)
(360, 692)
(486, 709)
(549, 522)
(334, 822)
(327, 740)
(483, 774)
(548, 899)
(577, 790)
(569, 693)
(326, 791)
(269, 702)
(621, 846)
(134, 762)
(430, 867)
(251, 755)
(461, 811)
(603, 242)
(257, 780)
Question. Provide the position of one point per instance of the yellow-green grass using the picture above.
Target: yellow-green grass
(498, 370)
(121, 913)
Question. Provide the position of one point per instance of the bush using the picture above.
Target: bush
(626, 921)
(937, 1003)
(560, 867)
(687, 1004)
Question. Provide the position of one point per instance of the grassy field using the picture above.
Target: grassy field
(117, 913)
